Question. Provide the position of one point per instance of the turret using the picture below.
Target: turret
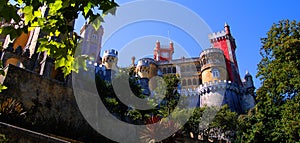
(91, 42)
(248, 84)
(157, 45)
(163, 53)
(107, 70)
(171, 47)
(110, 59)
(132, 61)
(227, 28)
(213, 66)
(142, 70)
(157, 51)
(225, 41)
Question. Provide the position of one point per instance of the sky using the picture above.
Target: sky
(187, 23)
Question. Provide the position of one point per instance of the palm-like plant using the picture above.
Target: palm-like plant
(161, 128)
(11, 110)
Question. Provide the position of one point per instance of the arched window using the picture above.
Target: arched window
(189, 82)
(194, 82)
(164, 71)
(174, 70)
(184, 82)
(94, 36)
(169, 70)
(215, 73)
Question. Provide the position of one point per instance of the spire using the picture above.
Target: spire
(226, 24)
(227, 28)
(247, 73)
(132, 60)
(157, 45)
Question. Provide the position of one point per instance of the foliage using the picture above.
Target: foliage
(129, 113)
(3, 138)
(11, 110)
(2, 73)
(276, 116)
(222, 127)
(55, 18)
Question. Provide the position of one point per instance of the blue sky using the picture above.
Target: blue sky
(249, 21)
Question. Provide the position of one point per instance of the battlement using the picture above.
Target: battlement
(212, 57)
(143, 63)
(211, 50)
(110, 52)
(217, 85)
(164, 47)
(216, 35)
(189, 92)
(149, 60)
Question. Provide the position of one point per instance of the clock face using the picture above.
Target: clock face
(165, 54)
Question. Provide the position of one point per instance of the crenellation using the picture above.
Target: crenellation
(216, 35)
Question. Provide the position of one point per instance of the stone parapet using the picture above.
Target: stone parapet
(217, 85)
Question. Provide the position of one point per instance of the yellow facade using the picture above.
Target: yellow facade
(208, 76)
(21, 40)
(213, 65)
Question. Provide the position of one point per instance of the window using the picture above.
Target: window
(189, 82)
(169, 70)
(215, 73)
(184, 82)
(194, 82)
(164, 71)
(174, 70)
(94, 36)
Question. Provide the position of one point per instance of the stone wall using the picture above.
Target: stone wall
(50, 102)
(20, 135)
(28, 87)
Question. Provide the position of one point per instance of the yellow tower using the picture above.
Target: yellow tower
(213, 66)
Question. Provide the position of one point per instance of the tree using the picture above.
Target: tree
(222, 127)
(55, 18)
(276, 116)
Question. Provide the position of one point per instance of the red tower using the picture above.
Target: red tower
(163, 53)
(226, 42)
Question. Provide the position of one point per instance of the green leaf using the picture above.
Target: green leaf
(60, 62)
(97, 23)
(87, 8)
(2, 87)
(28, 16)
(54, 7)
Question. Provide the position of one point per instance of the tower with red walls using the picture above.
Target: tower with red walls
(225, 41)
(163, 53)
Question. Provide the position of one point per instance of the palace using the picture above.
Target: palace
(211, 79)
